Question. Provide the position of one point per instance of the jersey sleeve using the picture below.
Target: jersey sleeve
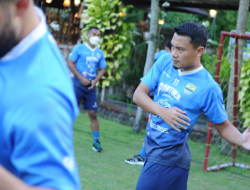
(74, 54)
(213, 105)
(102, 62)
(151, 79)
(42, 147)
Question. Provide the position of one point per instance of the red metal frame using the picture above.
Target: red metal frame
(210, 128)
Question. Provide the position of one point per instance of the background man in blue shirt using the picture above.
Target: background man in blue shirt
(139, 159)
(162, 52)
(37, 104)
(184, 89)
(84, 61)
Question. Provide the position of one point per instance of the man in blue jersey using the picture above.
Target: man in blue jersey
(84, 61)
(37, 104)
(162, 52)
(184, 89)
(139, 159)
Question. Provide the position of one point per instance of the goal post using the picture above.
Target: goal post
(237, 36)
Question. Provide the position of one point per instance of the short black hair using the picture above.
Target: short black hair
(195, 30)
(93, 27)
(169, 44)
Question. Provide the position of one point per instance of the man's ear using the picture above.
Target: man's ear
(200, 50)
(22, 6)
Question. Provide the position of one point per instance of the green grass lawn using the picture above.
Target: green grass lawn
(108, 171)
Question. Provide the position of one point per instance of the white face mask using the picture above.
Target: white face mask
(94, 40)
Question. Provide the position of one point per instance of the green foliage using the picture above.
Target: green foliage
(136, 62)
(226, 21)
(210, 63)
(133, 15)
(116, 37)
(173, 19)
(244, 93)
(129, 106)
(118, 97)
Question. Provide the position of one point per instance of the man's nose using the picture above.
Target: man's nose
(174, 53)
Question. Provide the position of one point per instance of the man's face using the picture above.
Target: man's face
(8, 33)
(94, 32)
(183, 53)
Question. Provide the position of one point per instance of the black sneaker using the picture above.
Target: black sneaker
(97, 146)
(136, 160)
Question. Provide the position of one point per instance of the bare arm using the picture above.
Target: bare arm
(10, 182)
(98, 77)
(171, 116)
(71, 65)
(231, 134)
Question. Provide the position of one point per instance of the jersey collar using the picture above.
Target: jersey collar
(90, 47)
(181, 73)
(30, 39)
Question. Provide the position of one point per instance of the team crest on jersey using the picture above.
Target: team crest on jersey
(98, 55)
(189, 89)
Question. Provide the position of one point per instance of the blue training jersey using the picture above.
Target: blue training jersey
(37, 111)
(159, 54)
(192, 91)
(87, 61)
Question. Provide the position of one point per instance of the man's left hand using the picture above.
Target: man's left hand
(245, 139)
(93, 82)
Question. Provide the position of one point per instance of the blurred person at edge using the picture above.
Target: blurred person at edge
(37, 104)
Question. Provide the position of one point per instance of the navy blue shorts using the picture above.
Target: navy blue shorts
(161, 177)
(88, 96)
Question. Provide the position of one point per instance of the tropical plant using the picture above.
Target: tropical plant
(116, 37)
(244, 93)
(210, 62)
(173, 19)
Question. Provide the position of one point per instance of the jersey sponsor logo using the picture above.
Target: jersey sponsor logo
(169, 89)
(189, 89)
(92, 74)
(166, 74)
(163, 103)
(158, 127)
(91, 62)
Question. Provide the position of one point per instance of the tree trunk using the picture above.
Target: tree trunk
(240, 28)
(150, 53)
(105, 94)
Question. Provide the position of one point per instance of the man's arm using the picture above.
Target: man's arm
(71, 65)
(98, 77)
(10, 182)
(231, 134)
(171, 116)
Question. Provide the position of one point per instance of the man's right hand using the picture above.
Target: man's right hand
(174, 117)
(84, 81)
